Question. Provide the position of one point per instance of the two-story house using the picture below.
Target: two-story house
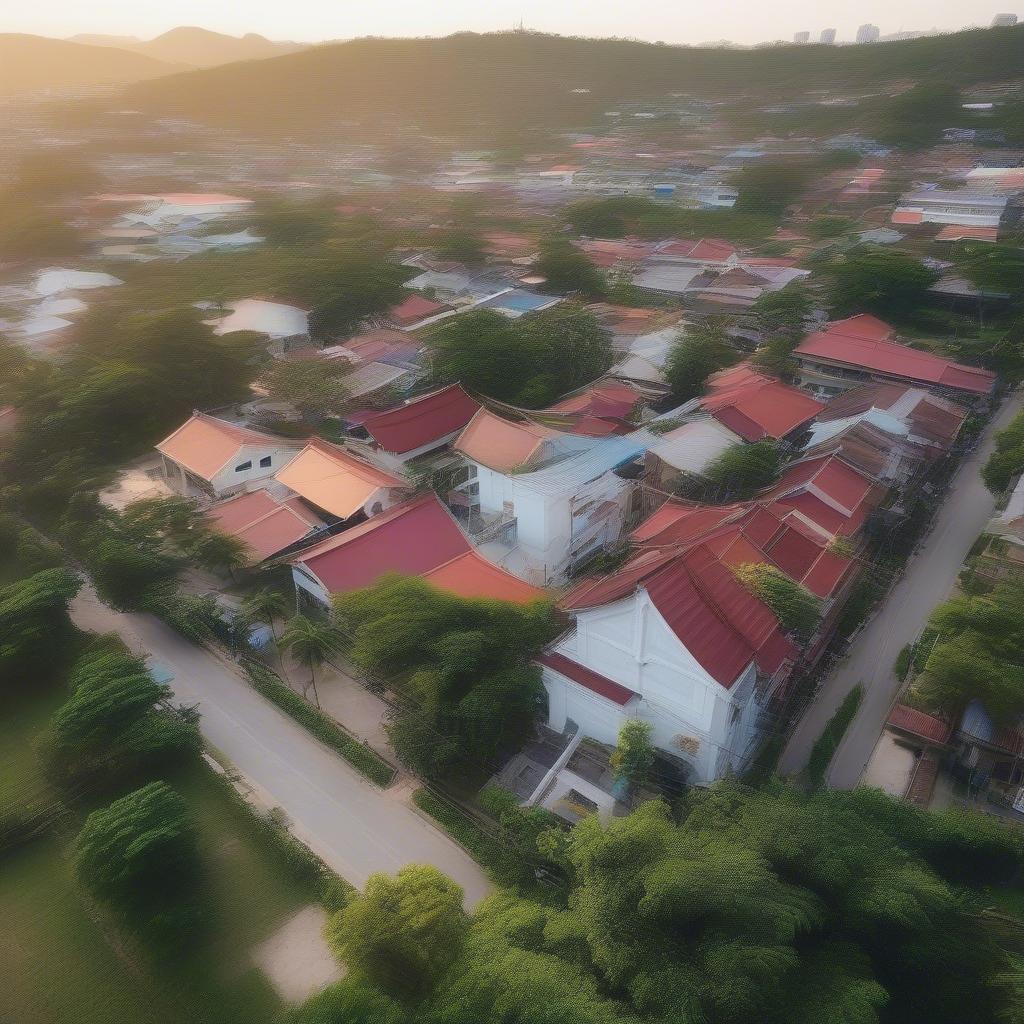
(672, 639)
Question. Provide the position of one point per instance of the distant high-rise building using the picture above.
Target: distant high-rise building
(868, 34)
(1004, 20)
(828, 36)
(801, 37)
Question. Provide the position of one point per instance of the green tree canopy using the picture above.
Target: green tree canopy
(885, 282)
(316, 387)
(1007, 461)
(110, 727)
(576, 348)
(698, 352)
(568, 270)
(34, 626)
(633, 757)
(461, 244)
(402, 933)
(991, 266)
(781, 317)
(289, 222)
(743, 469)
(485, 352)
(472, 691)
(139, 854)
(979, 654)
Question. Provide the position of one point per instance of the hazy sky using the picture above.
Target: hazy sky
(683, 21)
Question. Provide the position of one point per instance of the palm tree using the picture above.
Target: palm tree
(264, 604)
(310, 643)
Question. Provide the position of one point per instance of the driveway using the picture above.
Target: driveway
(352, 825)
(927, 579)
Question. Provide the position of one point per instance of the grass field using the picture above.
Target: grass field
(57, 964)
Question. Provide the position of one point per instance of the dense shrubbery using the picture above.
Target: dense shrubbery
(139, 854)
(796, 608)
(118, 726)
(749, 907)
(1007, 461)
(697, 353)
(472, 691)
(979, 654)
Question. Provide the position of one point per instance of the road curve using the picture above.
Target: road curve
(927, 579)
(351, 824)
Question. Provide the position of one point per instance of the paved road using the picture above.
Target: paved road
(928, 578)
(351, 824)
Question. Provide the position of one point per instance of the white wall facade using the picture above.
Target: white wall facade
(229, 480)
(553, 528)
(692, 716)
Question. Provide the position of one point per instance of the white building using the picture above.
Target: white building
(210, 457)
(558, 495)
(868, 33)
(938, 206)
(672, 639)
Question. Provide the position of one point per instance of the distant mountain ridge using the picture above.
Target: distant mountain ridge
(31, 64)
(520, 80)
(197, 47)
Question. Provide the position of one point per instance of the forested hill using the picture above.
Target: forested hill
(517, 79)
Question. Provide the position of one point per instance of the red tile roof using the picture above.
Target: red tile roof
(422, 421)
(263, 523)
(414, 309)
(411, 539)
(715, 617)
(908, 719)
(889, 357)
(417, 538)
(828, 491)
(593, 681)
(751, 532)
(710, 249)
(756, 406)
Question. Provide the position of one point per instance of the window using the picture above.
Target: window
(243, 466)
(265, 462)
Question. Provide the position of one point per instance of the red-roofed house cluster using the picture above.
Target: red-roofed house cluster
(673, 636)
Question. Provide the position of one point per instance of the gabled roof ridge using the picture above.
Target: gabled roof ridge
(375, 522)
(359, 465)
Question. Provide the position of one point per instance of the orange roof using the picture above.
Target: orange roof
(265, 524)
(472, 575)
(907, 217)
(500, 444)
(204, 445)
(957, 233)
(330, 478)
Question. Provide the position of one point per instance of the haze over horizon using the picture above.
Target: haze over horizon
(741, 21)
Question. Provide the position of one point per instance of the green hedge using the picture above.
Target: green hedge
(831, 736)
(500, 861)
(361, 757)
